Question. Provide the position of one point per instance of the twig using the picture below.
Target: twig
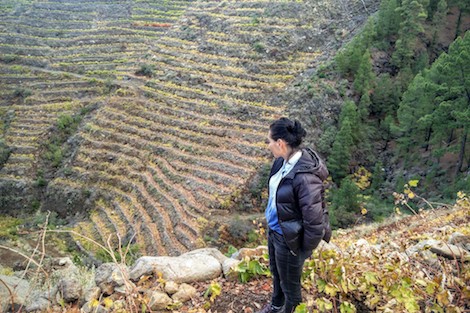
(11, 294)
(23, 255)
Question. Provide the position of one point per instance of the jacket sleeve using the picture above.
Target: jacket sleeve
(311, 204)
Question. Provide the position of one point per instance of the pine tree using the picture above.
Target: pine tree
(340, 157)
(388, 20)
(364, 78)
(386, 96)
(413, 15)
(417, 103)
(451, 75)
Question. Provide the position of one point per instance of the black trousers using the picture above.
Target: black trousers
(286, 270)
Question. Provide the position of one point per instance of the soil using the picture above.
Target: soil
(234, 297)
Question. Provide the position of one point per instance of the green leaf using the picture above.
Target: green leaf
(301, 308)
(347, 307)
(331, 290)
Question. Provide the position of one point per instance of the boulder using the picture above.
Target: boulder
(159, 300)
(70, 289)
(19, 288)
(460, 240)
(185, 292)
(213, 252)
(450, 251)
(422, 245)
(323, 245)
(92, 293)
(111, 275)
(185, 268)
(227, 267)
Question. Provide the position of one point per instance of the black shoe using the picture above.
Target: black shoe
(268, 308)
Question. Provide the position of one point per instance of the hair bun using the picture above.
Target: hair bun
(299, 130)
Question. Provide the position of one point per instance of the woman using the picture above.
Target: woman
(296, 214)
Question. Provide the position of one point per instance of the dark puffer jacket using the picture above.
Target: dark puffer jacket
(301, 208)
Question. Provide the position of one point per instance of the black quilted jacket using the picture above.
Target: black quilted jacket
(301, 208)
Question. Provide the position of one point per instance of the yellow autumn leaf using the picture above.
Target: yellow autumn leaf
(108, 303)
(94, 303)
(413, 183)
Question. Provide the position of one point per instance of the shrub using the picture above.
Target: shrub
(146, 70)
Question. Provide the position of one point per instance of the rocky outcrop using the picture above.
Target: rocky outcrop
(198, 265)
(13, 293)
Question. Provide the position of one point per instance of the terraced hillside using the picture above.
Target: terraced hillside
(150, 116)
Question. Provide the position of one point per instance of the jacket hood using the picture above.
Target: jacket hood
(311, 162)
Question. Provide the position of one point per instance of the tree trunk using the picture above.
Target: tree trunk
(459, 21)
(462, 152)
(449, 140)
(428, 136)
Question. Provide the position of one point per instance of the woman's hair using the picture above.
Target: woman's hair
(291, 132)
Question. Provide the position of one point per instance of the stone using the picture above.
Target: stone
(92, 294)
(424, 244)
(70, 289)
(159, 300)
(111, 275)
(19, 288)
(184, 293)
(182, 269)
(323, 245)
(228, 266)
(450, 251)
(213, 252)
(247, 252)
(40, 302)
(171, 287)
(460, 240)
(93, 307)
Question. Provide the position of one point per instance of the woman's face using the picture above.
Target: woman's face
(275, 146)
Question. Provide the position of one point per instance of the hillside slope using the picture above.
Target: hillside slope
(147, 118)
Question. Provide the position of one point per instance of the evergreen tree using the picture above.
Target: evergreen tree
(436, 106)
(364, 78)
(388, 20)
(340, 157)
(349, 58)
(438, 18)
(413, 14)
(345, 204)
(364, 108)
(451, 74)
(386, 96)
(417, 103)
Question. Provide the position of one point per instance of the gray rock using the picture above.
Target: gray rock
(184, 293)
(40, 304)
(182, 269)
(171, 287)
(227, 267)
(424, 244)
(92, 293)
(19, 288)
(159, 300)
(450, 251)
(208, 251)
(460, 240)
(90, 308)
(248, 252)
(111, 275)
(70, 289)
